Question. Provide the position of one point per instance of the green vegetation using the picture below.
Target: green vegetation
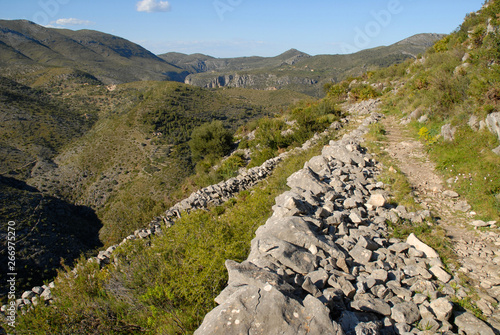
(168, 286)
(210, 140)
(456, 80)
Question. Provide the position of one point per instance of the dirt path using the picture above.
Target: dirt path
(478, 252)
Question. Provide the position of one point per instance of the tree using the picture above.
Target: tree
(210, 140)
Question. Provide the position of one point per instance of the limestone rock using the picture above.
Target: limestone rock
(419, 245)
(448, 132)
(442, 309)
(405, 312)
(493, 123)
(470, 325)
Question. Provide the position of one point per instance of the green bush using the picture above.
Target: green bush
(364, 92)
(210, 140)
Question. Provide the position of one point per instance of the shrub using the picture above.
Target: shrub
(210, 140)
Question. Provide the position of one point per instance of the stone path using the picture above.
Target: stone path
(322, 264)
(478, 252)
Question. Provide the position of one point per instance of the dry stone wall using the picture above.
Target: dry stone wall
(212, 195)
(322, 263)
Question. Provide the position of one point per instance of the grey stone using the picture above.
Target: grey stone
(429, 324)
(419, 245)
(318, 278)
(473, 123)
(361, 255)
(496, 151)
(297, 231)
(448, 132)
(305, 179)
(377, 200)
(28, 295)
(367, 243)
(309, 286)
(380, 275)
(367, 328)
(37, 290)
(299, 260)
(479, 223)
(450, 194)
(468, 324)
(493, 123)
(251, 310)
(399, 247)
(47, 295)
(405, 312)
(250, 274)
(318, 164)
(440, 274)
(365, 303)
(442, 308)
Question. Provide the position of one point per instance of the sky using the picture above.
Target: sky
(238, 28)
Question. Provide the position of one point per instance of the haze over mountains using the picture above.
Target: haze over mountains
(114, 60)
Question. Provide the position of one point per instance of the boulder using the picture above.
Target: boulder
(468, 324)
(306, 179)
(493, 123)
(251, 310)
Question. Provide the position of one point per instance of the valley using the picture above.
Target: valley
(132, 178)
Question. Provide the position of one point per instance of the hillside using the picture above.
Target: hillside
(296, 70)
(328, 239)
(87, 163)
(26, 45)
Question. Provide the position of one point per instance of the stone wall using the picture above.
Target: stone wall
(322, 263)
(212, 195)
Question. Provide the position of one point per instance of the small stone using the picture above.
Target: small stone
(372, 305)
(479, 223)
(450, 194)
(377, 200)
(419, 245)
(429, 324)
(442, 308)
(440, 274)
(405, 312)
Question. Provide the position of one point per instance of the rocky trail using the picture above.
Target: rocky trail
(478, 252)
(323, 264)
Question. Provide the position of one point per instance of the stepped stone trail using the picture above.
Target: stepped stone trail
(322, 263)
(478, 252)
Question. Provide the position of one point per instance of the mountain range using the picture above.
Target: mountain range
(114, 60)
(94, 128)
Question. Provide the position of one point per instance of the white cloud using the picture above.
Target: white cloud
(151, 6)
(73, 22)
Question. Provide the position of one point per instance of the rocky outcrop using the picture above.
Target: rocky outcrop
(322, 264)
(256, 81)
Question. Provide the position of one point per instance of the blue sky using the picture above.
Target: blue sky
(231, 28)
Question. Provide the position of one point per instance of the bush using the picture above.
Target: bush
(210, 140)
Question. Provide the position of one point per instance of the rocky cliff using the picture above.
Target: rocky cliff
(256, 81)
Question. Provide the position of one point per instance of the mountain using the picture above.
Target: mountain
(29, 50)
(109, 58)
(296, 70)
(198, 63)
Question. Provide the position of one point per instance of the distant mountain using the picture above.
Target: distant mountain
(26, 47)
(109, 58)
(197, 63)
(297, 70)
